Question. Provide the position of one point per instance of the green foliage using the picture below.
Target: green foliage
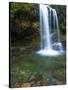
(25, 23)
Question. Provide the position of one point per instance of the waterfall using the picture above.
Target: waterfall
(45, 33)
(49, 32)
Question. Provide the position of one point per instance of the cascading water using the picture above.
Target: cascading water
(49, 32)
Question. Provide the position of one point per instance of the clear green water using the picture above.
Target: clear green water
(27, 67)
